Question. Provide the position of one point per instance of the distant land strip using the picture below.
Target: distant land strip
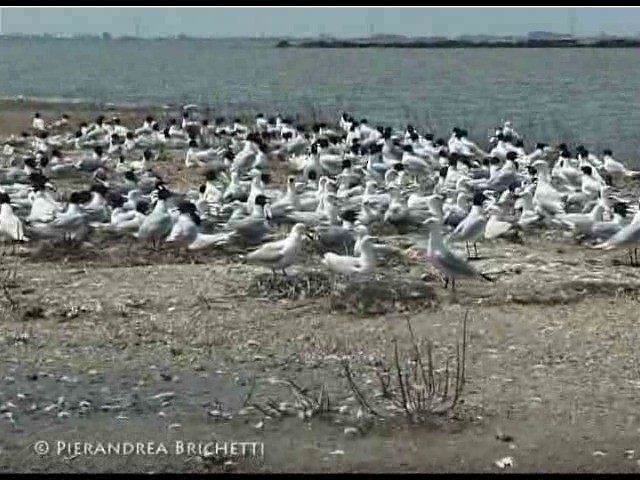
(608, 43)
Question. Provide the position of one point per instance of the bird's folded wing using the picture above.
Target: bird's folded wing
(454, 264)
(267, 253)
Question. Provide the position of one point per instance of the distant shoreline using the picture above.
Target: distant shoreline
(615, 43)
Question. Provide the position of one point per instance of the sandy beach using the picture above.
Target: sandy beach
(116, 343)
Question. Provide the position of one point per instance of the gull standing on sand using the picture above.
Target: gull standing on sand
(11, 226)
(615, 168)
(448, 263)
(627, 237)
(472, 227)
(280, 254)
(158, 224)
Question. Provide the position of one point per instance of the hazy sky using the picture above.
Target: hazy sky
(343, 22)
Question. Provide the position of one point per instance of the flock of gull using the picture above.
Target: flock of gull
(342, 181)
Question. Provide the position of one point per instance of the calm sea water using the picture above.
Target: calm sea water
(576, 95)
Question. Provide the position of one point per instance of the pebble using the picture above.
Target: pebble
(599, 453)
(629, 453)
(63, 414)
(505, 462)
(259, 426)
(163, 396)
(337, 452)
(106, 408)
(351, 431)
(174, 426)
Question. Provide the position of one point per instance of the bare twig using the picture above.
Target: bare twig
(358, 393)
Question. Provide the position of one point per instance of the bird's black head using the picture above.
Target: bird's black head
(98, 150)
(540, 146)
(398, 167)
(186, 207)
(586, 169)
(312, 175)
(142, 206)
(621, 209)
(75, 198)
(266, 178)
(532, 171)
(4, 198)
(129, 175)
(443, 172)
(260, 200)
(478, 199)
(211, 175)
(115, 199)
(349, 215)
(163, 193)
(346, 163)
(606, 151)
(99, 188)
(511, 156)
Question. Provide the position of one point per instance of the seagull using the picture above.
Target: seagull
(11, 226)
(364, 263)
(472, 227)
(448, 263)
(628, 236)
(157, 225)
(280, 254)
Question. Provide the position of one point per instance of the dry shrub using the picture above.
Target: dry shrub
(418, 382)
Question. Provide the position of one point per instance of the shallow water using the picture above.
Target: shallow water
(577, 95)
